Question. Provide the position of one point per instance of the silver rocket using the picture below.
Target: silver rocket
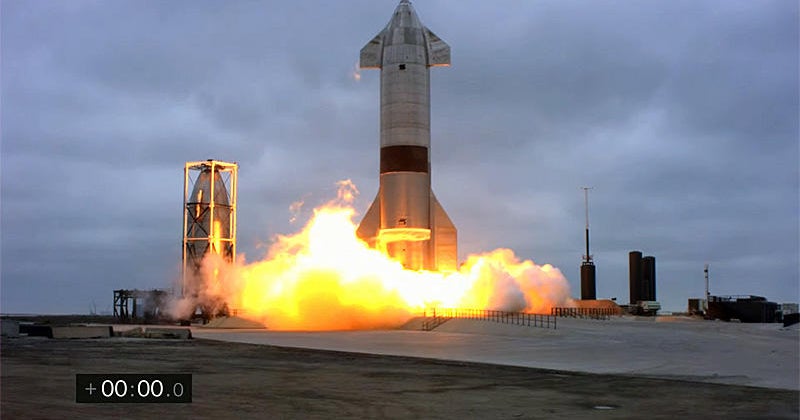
(405, 220)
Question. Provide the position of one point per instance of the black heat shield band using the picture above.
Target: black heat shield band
(404, 159)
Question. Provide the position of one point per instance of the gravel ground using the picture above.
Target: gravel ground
(257, 381)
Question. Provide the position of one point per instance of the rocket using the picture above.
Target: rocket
(405, 220)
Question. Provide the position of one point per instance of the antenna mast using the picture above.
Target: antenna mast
(588, 257)
(588, 273)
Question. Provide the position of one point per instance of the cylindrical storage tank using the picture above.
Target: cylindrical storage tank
(588, 284)
(649, 278)
(635, 281)
(201, 225)
(209, 218)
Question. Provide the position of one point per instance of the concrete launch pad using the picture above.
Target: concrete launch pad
(763, 355)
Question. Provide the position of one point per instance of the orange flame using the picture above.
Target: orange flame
(325, 278)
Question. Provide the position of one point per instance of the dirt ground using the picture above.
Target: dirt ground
(256, 381)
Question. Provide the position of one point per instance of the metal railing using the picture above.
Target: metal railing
(433, 322)
(438, 316)
(591, 313)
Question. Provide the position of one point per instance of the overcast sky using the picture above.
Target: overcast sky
(683, 116)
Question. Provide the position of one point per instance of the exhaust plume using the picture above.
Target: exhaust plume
(324, 278)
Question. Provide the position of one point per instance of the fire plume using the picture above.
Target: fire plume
(325, 278)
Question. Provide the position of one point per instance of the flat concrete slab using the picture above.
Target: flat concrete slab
(180, 333)
(233, 322)
(763, 355)
(175, 333)
(82, 332)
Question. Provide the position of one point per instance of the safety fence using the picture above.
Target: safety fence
(591, 313)
(438, 316)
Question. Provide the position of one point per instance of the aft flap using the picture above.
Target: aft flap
(371, 223)
(445, 238)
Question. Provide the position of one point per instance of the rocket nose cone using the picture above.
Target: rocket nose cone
(404, 27)
(405, 16)
(201, 193)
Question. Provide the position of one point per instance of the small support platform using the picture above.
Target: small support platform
(140, 305)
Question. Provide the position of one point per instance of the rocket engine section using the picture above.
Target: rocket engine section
(406, 220)
(209, 222)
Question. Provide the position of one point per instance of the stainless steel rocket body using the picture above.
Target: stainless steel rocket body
(406, 220)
